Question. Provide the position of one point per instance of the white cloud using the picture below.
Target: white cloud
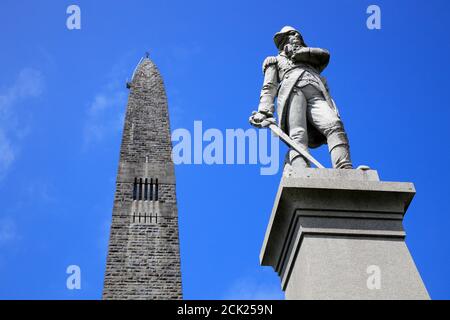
(8, 231)
(40, 191)
(105, 113)
(28, 84)
(6, 154)
(252, 289)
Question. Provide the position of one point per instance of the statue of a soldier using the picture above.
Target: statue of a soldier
(305, 109)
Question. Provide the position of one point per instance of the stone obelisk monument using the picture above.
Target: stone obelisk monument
(143, 257)
(333, 233)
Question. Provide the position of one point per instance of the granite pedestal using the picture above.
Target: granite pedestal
(338, 234)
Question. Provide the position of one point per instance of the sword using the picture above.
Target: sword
(270, 122)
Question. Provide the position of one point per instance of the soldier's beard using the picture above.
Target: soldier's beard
(292, 47)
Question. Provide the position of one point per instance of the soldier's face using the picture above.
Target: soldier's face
(294, 38)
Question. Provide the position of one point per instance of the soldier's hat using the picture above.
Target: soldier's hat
(282, 34)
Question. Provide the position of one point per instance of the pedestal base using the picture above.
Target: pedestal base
(338, 234)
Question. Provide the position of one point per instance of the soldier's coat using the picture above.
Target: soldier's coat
(280, 77)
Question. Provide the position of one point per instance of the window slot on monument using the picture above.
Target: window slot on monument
(146, 189)
(135, 189)
(143, 189)
(140, 189)
(151, 189)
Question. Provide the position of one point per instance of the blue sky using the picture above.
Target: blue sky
(63, 96)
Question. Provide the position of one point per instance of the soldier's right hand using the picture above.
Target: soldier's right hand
(257, 118)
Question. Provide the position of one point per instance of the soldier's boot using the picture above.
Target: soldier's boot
(339, 150)
(293, 163)
(340, 157)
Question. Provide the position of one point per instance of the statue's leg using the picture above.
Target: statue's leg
(296, 126)
(325, 119)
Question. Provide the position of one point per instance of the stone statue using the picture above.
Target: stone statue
(305, 109)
